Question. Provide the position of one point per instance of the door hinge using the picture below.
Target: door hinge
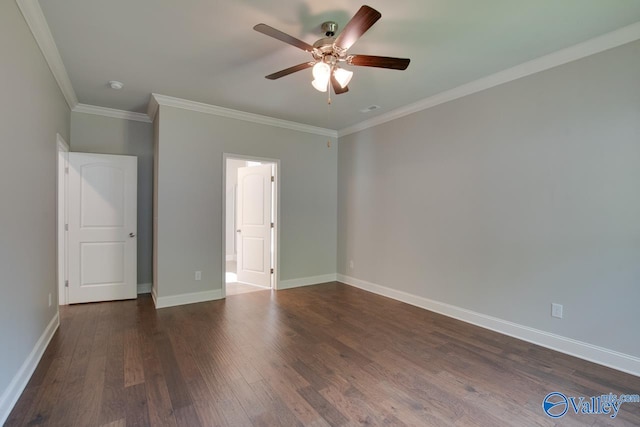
(66, 283)
(272, 271)
(66, 227)
(272, 225)
(273, 178)
(66, 169)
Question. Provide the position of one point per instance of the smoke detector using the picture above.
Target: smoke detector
(114, 84)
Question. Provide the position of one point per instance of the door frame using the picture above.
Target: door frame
(276, 203)
(62, 154)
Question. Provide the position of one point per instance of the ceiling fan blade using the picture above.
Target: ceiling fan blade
(336, 86)
(289, 70)
(359, 24)
(379, 61)
(277, 34)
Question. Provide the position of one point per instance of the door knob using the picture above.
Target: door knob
(132, 234)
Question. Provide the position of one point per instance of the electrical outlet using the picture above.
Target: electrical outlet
(351, 264)
(556, 310)
(198, 275)
(49, 299)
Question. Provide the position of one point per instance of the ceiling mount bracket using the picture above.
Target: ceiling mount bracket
(329, 28)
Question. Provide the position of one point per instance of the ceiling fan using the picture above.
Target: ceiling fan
(330, 51)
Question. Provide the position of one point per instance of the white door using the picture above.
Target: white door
(102, 227)
(254, 225)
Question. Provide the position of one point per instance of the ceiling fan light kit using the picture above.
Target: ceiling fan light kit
(330, 51)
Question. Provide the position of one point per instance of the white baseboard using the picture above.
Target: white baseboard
(191, 298)
(19, 382)
(592, 353)
(144, 288)
(306, 281)
(230, 257)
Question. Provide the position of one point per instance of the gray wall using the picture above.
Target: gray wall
(507, 200)
(190, 230)
(32, 111)
(98, 134)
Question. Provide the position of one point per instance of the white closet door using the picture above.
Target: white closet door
(102, 227)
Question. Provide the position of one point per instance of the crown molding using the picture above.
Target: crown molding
(111, 112)
(590, 47)
(169, 101)
(40, 29)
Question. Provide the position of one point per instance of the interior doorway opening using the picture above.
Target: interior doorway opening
(251, 224)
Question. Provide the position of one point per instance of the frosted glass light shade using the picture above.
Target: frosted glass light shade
(321, 74)
(321, 71)
(343, 76)
(321, 86)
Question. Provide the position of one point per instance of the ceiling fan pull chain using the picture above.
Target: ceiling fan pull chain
(329, 114)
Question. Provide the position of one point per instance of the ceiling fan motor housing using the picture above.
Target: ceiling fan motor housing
(324, 49)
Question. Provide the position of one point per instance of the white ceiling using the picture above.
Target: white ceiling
(207, 51)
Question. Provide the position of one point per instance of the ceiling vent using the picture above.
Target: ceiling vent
(369, 108)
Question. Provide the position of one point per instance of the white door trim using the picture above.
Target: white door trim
(63, 164)
(276, 228)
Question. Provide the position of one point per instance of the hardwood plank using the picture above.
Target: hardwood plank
(322, 406)
(92, 392)
(66, 408)
(187, 416)
(356, 410)
(157, 393)
(274, 404)
(104, 315)
(117, 423)
(137, 412)
(178, 390)
(133, 369)
(208, 414)
(315, 379)
(249, 401)
(283, 385)
(113, 406)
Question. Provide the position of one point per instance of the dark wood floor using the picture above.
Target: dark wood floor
(320, 355)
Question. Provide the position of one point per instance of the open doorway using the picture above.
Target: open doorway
(251, 224)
